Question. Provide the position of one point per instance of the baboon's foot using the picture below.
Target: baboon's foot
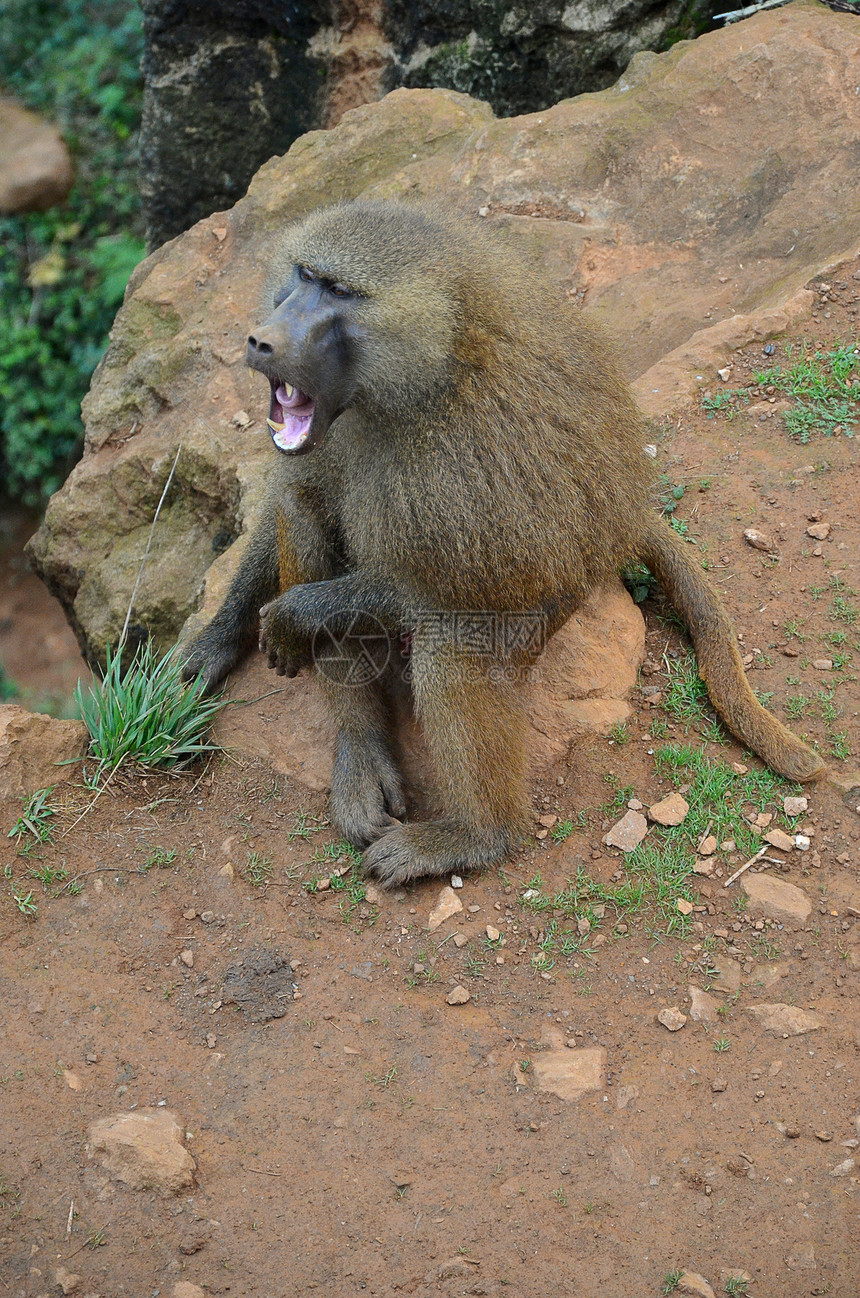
(366, 791)
(436, 847)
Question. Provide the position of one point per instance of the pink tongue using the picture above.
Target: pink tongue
(298, 398)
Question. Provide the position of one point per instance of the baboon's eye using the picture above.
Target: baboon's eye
(341, 290)
(306, 274)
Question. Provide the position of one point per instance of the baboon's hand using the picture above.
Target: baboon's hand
(281, 639)
(210, 658)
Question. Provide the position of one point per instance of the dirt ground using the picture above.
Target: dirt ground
(375, 1139)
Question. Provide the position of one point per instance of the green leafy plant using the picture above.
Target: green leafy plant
(146, 713)
(63, 272)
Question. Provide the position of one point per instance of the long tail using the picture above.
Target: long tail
(719, 661)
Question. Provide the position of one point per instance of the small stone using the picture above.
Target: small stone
(458, 996)
(683, 906)
(583, 926)
(703, 1008)
(628, 832)
(760, 541)
(547, 821)
(456, 881)
(705, 867)
(818, 531)
(801, 1257)
(693, 1283)
(728, 845)
(780, 840)
(844, 1168)
(189, 914)
(824, 1136)
(373, 896)
(739, 768)
(785, 1020)
(71, 1079)
(708, 846)
(795, 806)
(185, 1289)
(671, 810)
(569, 1074)
(719, 1084)
(207, 916)
(727, 976)
(633, 804)
(802, 842)
(776, 899)
(228, 870)
(672, 1018)
(447, 904)
(211, 1040)
(323, 885)
(822, 664)
(67, 1280)
(145, 1149)
(187, 958)
(460, 939)
(493, 934)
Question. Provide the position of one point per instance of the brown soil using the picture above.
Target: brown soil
(375, 1139)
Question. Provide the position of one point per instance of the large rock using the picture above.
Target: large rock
(35, 167)
(145, 1149)
(34, 749)
(249, 76)
(634, 199)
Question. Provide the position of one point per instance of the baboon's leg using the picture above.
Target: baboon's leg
(474, 727)
(366, 789)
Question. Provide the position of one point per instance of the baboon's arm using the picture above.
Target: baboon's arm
(287, 547)
(354, 604)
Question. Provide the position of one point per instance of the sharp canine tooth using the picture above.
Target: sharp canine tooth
(276, 428)
(289, 389)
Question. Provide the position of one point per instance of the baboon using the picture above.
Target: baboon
(457, 453)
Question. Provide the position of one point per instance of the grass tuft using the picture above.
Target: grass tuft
(146, 713)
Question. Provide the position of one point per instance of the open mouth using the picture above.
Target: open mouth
(290, 417)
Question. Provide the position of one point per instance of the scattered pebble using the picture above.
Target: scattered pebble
(671, 810)
(844, 1168)
(693, 1283)
(460, 939)
(802, 843)
(776, 899)
(719, 1084)
(493, 933)
(458, 996)
(447, 904)
(628, 832)
(784, 1020)
(795, 806)
(708, 846)
(822, 664)
(760, 541)
(456, 881)
(187, 958)
(672, 1018)
(779, 839)
(818, 531)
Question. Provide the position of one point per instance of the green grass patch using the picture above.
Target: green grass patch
(145, 713)
(824, 387)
